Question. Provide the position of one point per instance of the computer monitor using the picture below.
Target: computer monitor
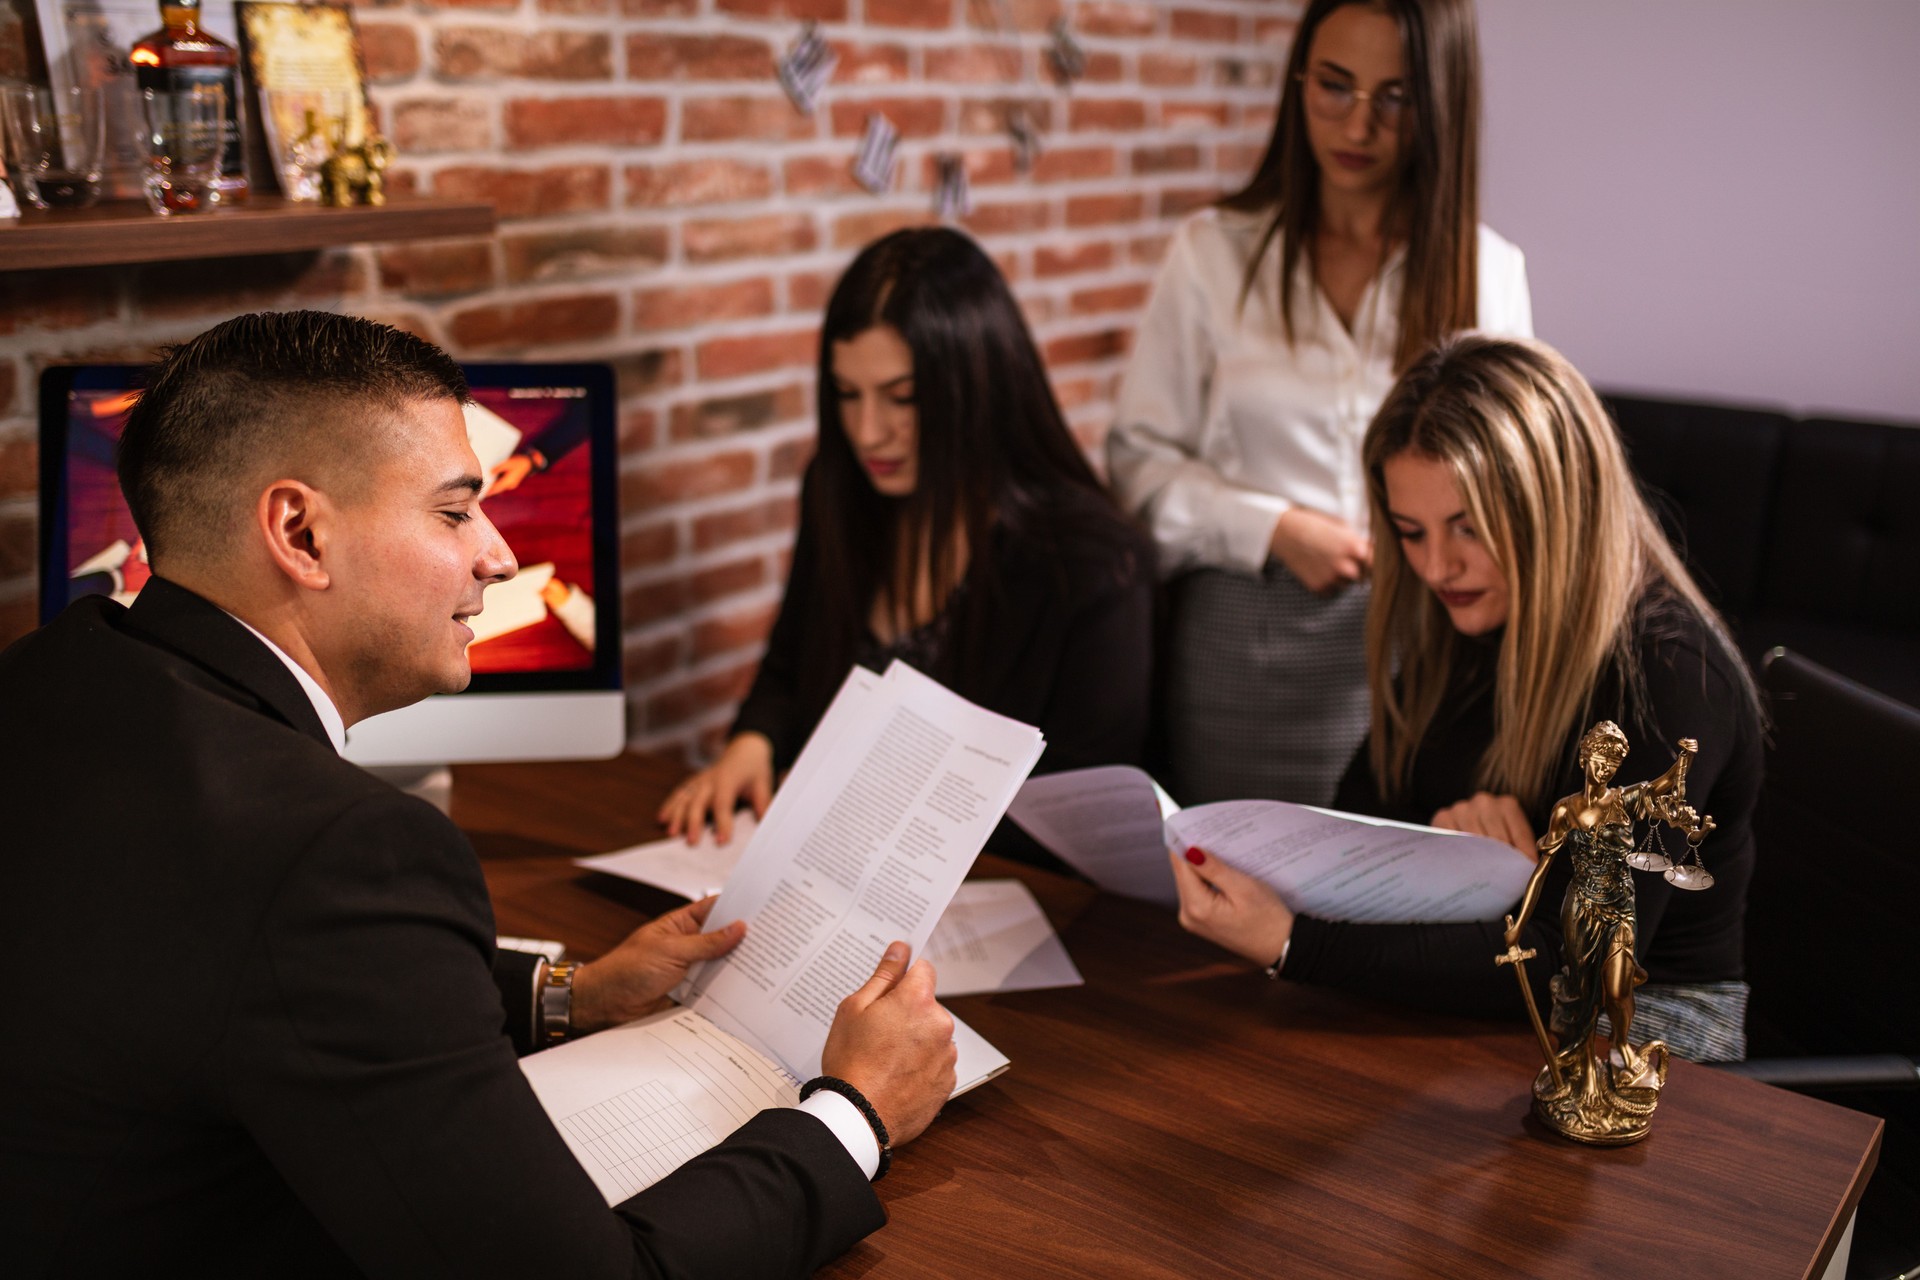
(546, 654)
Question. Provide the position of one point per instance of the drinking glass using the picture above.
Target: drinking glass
(55, 139)
(302, 126)
(183, 132)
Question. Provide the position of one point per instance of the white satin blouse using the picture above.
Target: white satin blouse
(1222, 426)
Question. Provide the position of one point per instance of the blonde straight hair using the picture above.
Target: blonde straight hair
(1546, 485)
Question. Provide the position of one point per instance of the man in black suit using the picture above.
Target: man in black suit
(257, 1031)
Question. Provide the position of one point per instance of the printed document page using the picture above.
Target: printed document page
(634, 1103)
(1105, 823)
(1108, 825)
(994, 937)
(866, 842)
(690, 870)
(1342, 867)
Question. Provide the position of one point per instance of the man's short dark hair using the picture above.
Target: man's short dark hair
(258, 387)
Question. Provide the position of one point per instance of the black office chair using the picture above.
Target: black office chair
(1830, 927)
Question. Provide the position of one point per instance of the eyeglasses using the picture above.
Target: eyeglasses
(1332, 98)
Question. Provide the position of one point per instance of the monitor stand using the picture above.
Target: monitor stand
(430, 782)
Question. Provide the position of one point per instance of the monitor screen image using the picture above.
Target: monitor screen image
(544, 436)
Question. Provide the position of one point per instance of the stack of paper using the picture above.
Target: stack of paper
(866, 842)
(992, 936)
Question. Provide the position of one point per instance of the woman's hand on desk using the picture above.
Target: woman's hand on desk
(1230, 908)
(633, 979)
(744, 770)
(1325, 553)
(1496, 817)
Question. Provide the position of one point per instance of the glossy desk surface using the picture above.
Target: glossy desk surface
(1180, 1115)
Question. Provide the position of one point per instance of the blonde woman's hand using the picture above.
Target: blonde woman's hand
(1496, 817)
(1325, 553)
(743, 771)
(1230, 908)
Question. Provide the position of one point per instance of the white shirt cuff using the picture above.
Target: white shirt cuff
(1246, 522)
(845, 1122)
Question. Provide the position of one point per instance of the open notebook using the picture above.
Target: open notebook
(866, 842)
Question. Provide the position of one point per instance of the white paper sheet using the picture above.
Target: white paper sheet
(994, 937)
(865, 843)
(513, 604)
(636, 1102)
(1106, 824)
(692, 871)
(978, 1062)
(493, 438)
(1340, 867)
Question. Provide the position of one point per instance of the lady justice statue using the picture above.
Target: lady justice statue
(1608, 1099)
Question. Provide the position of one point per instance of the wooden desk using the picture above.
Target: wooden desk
(1180, 1116)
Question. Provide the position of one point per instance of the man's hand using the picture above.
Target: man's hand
(1496, 817)
(1230, 908)
(745, 768)
(633, 979)
(894, 1043)
(507, 476)
(1323, 552)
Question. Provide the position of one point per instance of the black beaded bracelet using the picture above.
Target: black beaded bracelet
(834, 1084)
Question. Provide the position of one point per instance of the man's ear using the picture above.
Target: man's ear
(294, 521)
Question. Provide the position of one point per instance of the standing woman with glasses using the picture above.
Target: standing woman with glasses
(1280, 319)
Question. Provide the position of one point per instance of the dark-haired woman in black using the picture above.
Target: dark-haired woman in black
(948, 519)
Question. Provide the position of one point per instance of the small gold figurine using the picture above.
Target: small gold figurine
(1604, 1099)
(356, 174)
(377, 154)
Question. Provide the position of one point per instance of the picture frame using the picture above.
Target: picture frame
(305, 64)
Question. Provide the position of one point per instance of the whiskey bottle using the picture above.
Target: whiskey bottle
(179, 56)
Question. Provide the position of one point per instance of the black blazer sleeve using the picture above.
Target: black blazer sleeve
(772, 706)
(1097, 708)
(364, 1054)
(513, 974)
(1690, 689)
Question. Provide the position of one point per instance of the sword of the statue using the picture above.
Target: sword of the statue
(1518, 959)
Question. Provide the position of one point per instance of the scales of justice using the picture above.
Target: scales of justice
(1605, 1098)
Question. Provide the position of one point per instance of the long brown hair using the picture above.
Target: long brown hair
(1437, 206)
(994, 454)
(1546, 485)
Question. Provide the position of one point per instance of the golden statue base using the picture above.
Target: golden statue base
(1597, 1101)
(1603, 1097)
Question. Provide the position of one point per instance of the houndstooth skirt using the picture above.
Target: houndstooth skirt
(1266, 687)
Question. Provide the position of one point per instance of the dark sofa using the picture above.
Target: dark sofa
(1806, 532)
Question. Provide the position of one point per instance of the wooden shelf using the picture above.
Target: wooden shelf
(125, 231)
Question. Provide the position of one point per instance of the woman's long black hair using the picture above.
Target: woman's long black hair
(995, 455)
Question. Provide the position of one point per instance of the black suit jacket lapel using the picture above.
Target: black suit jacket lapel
(169, 615)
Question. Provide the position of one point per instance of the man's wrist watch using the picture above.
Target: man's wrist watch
(556, 1002)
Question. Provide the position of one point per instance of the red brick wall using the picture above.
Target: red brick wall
(663, 207)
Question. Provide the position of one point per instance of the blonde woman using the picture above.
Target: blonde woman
(1280, 318)
(1522, 591)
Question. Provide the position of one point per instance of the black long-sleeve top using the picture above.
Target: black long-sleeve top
(1071, 621)
(1693, 688)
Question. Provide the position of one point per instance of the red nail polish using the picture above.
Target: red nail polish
(1196, 857)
